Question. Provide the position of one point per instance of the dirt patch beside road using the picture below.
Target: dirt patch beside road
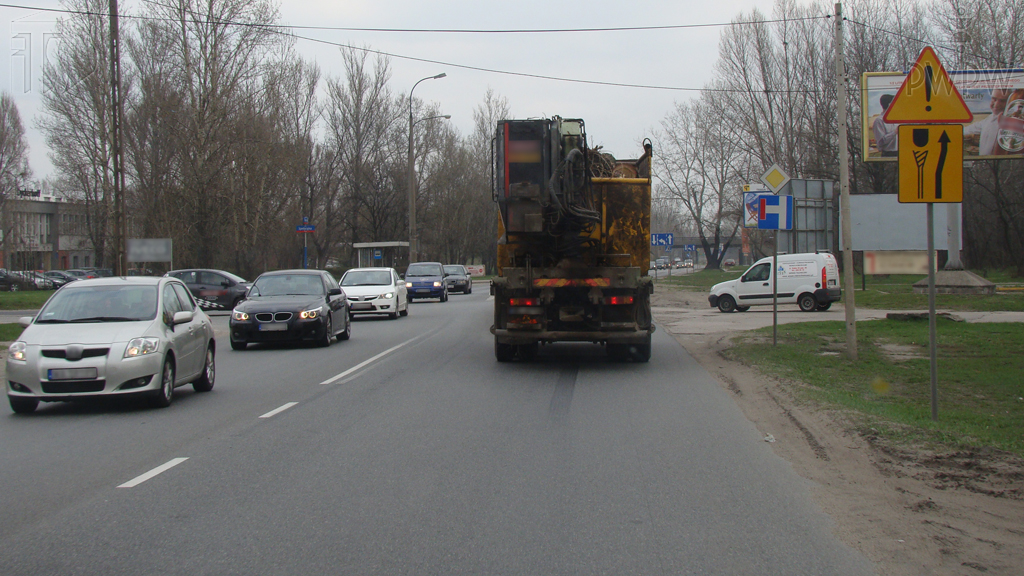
(911, 511)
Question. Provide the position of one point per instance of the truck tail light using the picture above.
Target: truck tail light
(617, 300)
(824, 277)
(524, 302)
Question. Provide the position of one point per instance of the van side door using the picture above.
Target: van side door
(755, 286)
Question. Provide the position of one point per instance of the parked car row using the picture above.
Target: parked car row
(146, 335)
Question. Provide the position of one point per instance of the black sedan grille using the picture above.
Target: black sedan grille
(73, 386)
(273, 316)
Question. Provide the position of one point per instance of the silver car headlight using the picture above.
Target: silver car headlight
(239, 315)
(16, 351)
(310, 314)
(141, 347)
(389, 295)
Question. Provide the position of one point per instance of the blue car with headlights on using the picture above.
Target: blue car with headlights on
(291, 305)
(426, 280)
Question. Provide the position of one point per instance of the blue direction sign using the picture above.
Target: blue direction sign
(775, 213)
(661, 240)
(690, 248)
(377, 254)
(305, 228)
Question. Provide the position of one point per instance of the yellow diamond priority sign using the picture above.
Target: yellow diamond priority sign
(928, 96)
(775, 178)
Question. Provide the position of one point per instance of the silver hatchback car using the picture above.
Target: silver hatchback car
(112, 336)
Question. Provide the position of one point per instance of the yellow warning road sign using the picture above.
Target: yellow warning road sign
(931, 162)
(928, 96)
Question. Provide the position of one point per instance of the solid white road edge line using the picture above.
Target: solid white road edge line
(364, 363)
(154, 472)
(279, 409)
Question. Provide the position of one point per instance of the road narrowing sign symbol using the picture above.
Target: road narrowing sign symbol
(928, 96)
(931, 163)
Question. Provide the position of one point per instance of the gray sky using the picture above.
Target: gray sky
(617, 118)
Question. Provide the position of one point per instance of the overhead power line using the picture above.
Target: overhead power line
(282, 29)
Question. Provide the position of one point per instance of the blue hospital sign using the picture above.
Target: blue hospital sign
(775, 213)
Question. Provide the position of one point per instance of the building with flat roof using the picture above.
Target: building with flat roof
(44, 232)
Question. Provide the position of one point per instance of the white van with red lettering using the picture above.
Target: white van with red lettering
(810, 281)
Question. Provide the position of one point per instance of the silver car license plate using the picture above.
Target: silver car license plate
(273, 327)
(71, 374)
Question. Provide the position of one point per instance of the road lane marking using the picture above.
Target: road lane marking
(363, 364)
(154, 472)
(279, 409)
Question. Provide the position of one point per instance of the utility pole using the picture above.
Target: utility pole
(844, 190)
(117, 160)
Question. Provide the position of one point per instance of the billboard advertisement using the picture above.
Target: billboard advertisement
(994, 97)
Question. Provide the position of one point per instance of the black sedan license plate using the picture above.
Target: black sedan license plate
(71, 374)
(273, 327)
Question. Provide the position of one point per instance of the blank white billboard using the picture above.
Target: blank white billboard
(880, 222)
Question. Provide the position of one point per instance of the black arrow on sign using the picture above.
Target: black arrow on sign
(944, 140)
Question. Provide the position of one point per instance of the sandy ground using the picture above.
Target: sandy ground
(910, 511)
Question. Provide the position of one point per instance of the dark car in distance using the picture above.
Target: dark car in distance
(291, 305)
(457, 278)
(59, 278)
(213, 289)
(426, 280)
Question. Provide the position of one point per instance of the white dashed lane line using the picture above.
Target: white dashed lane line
(152, 473)
(279, 409)
(363, 364)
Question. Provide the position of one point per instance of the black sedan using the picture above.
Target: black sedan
(291, 305)
(213, 289)
(458, 279)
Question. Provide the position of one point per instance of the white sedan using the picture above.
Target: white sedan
(375, 291)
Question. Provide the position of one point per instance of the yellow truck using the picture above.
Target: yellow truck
(573, 242)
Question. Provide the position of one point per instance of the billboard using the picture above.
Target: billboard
(995, 97)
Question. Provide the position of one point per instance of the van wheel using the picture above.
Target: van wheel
(742, 308)
(807, 302)
(726, 304)
(825, 306)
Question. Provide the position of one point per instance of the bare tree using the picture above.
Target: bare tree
(76, 120)
(14, 169)
(700, 158)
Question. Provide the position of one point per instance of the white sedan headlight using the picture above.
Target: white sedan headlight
(389, 295)
(239, 315)
(310, 314)
(16, 351)
(141, 347)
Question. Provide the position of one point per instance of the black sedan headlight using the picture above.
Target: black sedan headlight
(311, 314)
(239, 315)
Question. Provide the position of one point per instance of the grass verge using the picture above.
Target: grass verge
(10, 332)
(980, 388)
(24, 300)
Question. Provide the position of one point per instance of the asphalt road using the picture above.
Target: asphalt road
(409, 450)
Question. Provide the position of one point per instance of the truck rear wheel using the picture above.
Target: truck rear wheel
(641, 352)
(503, 352)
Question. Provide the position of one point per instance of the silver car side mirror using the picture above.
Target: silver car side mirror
(183, 317)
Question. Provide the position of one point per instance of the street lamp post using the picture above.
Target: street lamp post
(412, 175)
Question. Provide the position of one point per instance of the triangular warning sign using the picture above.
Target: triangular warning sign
(928, 96)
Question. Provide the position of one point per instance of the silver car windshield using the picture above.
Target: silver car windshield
(288, 285)
(366, 278)
(100, 304)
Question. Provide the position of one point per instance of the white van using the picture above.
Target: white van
(808, 280)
